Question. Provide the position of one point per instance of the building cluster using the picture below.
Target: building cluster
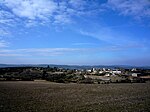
(98, 75)
(106, 75)
(92, 75)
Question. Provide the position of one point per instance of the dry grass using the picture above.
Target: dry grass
(53, 97)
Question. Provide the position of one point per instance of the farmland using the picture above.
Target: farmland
(38, 96)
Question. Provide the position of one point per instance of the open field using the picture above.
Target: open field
(40, 96)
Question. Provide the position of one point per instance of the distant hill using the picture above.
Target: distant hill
(73, 66)
(22, 65)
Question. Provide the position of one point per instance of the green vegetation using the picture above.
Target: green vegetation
(61, 75)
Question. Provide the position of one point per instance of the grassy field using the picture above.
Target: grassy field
(53, 97)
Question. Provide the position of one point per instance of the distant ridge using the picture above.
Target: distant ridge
(73, 66)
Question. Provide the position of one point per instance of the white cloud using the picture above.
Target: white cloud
(6, 19)
(10, 55)
(3, 44)
(61, 19)
(78, 4)
(83, 43)
(31, 9)
(103, 34)
(31, 12)
(137, 8)
(39, 51)
(3, 32)
(54, 52)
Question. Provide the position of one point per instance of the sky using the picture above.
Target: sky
(75, 32)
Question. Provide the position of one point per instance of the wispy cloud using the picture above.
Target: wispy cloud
(105, 34)
(136, 8)
(31, 9)
(32, 12)
(83, 43)
(6, 17)
(114, 39)
(3, 44)
(3, 32)
(50, 52)
(45, 11)
(39, 51)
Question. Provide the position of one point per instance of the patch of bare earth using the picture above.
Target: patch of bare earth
(45, 96)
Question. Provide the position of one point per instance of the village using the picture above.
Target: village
(63, 75)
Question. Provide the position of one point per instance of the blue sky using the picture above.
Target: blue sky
(75, 32)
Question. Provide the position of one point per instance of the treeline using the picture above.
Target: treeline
(33, 73)
(61, 75)
(19, 73)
